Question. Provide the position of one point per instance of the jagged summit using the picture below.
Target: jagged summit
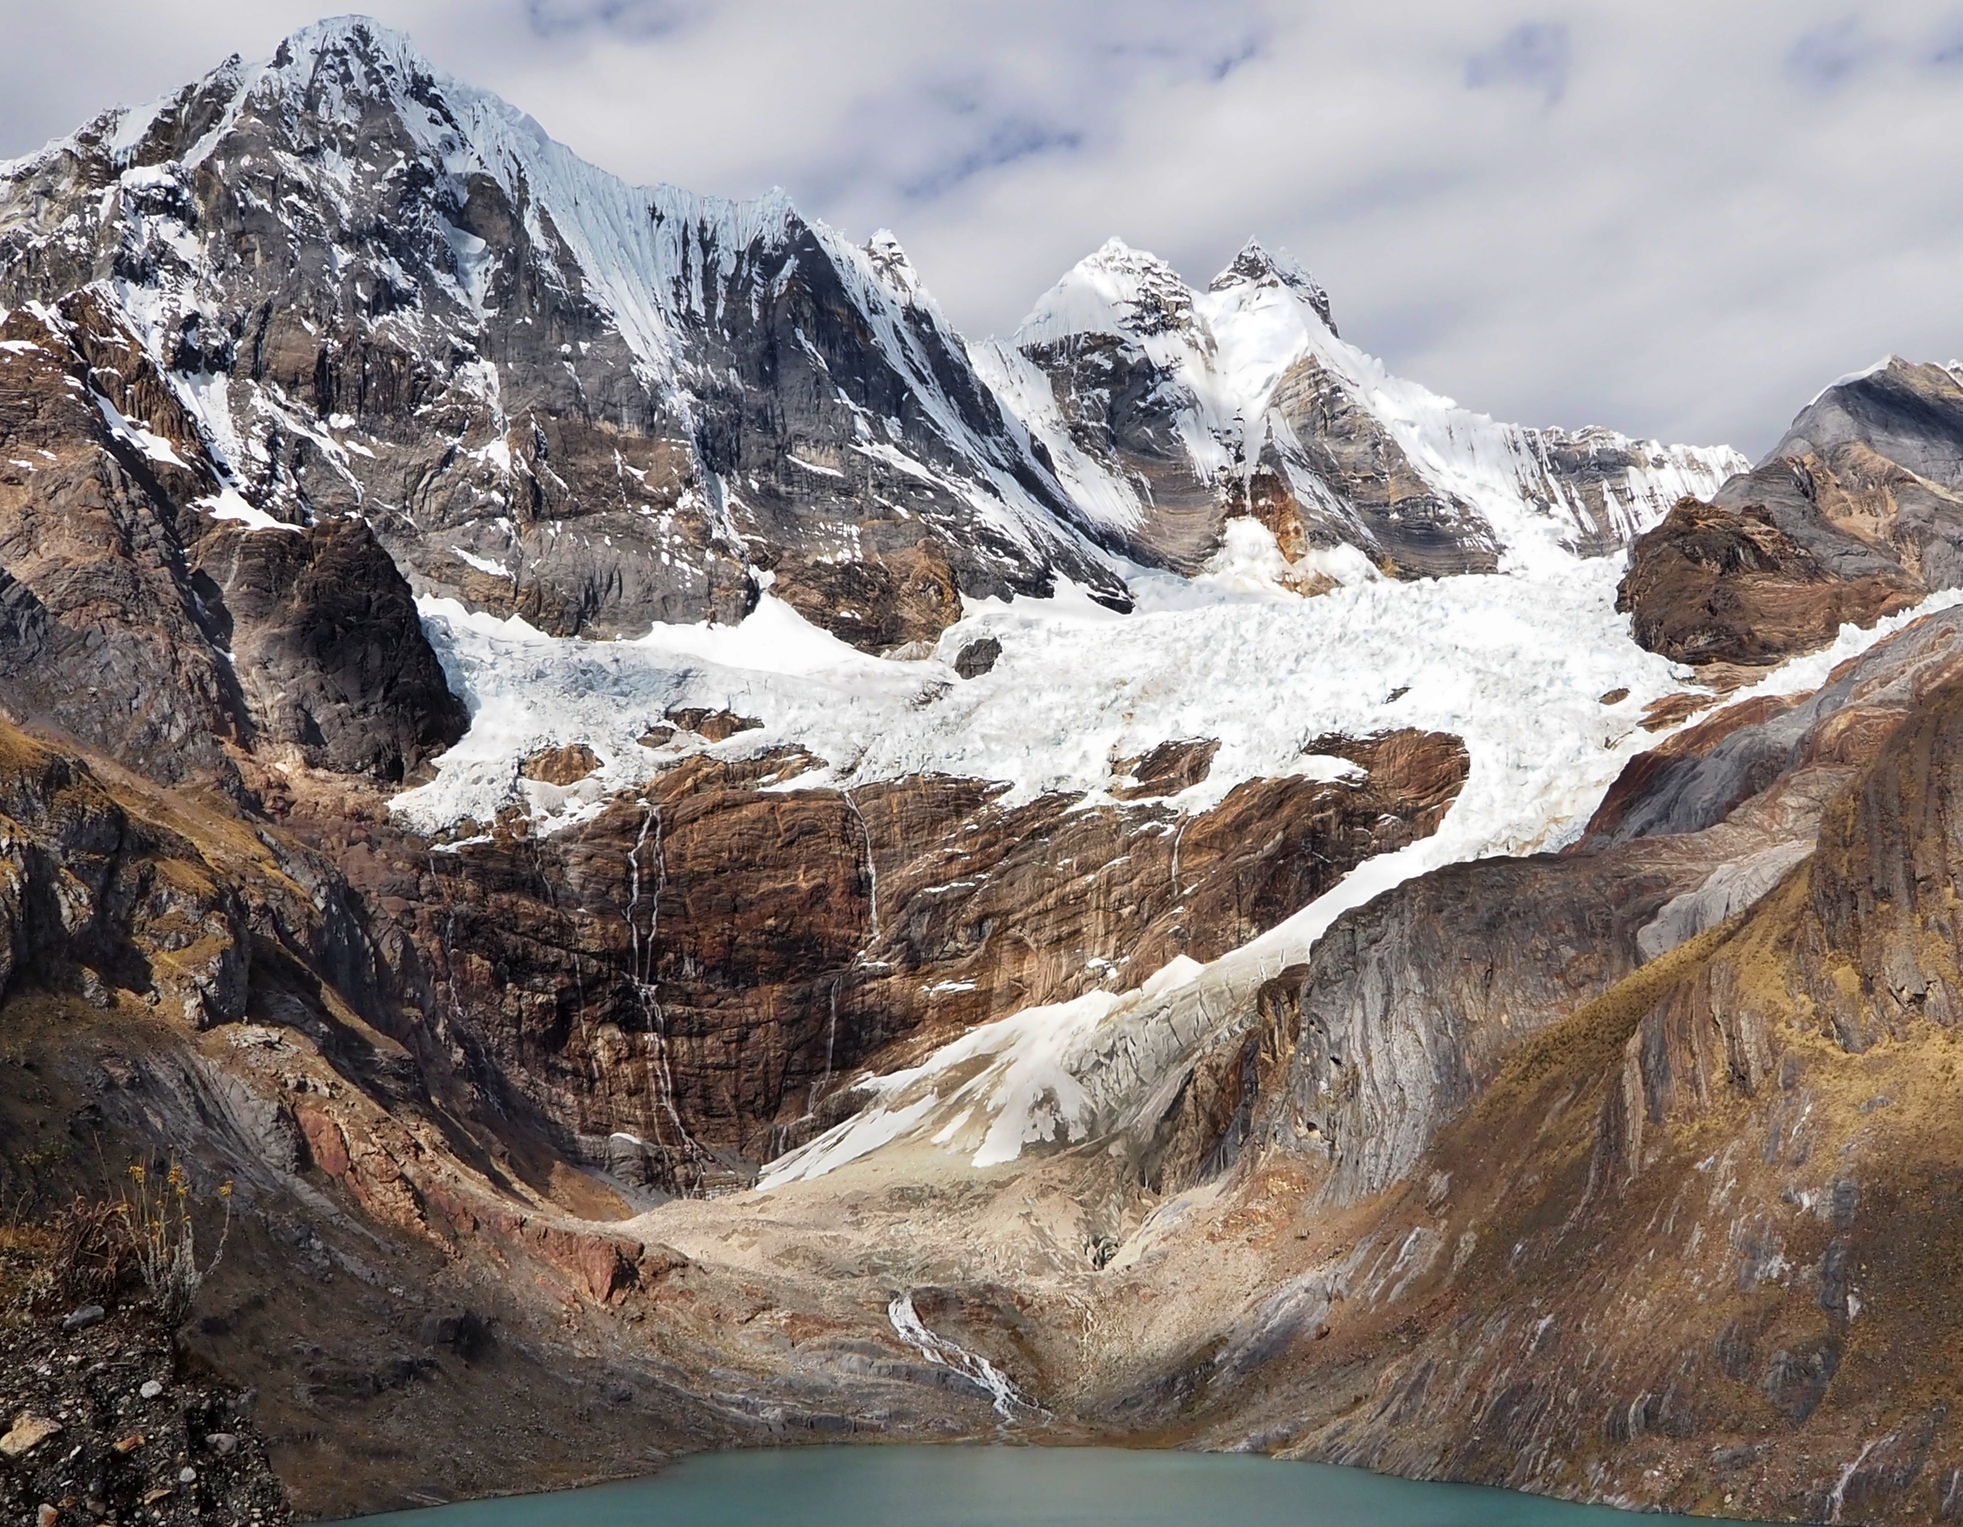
(890, 261)
(1114, 290)
(353, 35)
(349, 210)
(1168, 411)
(1256, 264)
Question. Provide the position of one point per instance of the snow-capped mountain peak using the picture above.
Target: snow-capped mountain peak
(1168, 410)
(379, 289)
(896, 271)
(1117, 291)
(1257, 265)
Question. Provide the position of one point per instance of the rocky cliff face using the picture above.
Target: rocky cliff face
(690, 979)
(167, 636)
(376, 291)
(1710, 586)
(1852, 516)
(1867, 478)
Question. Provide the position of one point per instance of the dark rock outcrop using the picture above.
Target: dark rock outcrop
(135, 621)
(329, 654)
(978, 657)
(1708, 586)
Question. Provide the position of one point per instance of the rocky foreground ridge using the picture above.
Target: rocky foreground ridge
(1448, 1026)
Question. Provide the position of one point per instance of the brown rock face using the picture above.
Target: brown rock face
(1884, 889)
(1645, 779)
(1410, 529)
(97, 617)
(702, 966)
(910, 595)
(716, 725)
(88, 894)
(1856, 513)
(1711, 586)
(1166, 770)
(560, 766)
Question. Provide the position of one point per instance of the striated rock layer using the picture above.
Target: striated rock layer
(702, 967)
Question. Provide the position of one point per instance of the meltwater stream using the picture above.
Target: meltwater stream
(1012, 1487)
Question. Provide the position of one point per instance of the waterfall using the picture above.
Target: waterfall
(831, 1042)
(489, 1084)
(947, 1354)
(872, 869)
(641, 972)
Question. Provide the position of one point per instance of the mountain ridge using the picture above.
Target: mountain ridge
(688, 840)
(666, 274)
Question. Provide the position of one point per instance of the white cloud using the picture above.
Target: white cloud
(1535, 54)
(1677, 219)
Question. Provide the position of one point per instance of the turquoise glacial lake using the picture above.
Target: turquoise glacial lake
(1012, 1487)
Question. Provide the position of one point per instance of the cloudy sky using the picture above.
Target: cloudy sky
(1681, 219)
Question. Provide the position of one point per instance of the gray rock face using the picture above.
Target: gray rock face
(1412, 1002)
(1730, 888)
(375, 290)
(1870, 476)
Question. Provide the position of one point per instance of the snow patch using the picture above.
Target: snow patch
(230, 504)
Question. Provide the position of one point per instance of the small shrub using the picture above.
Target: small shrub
(156, 1218)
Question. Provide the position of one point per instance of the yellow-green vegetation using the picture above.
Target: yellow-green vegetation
(156, 1217)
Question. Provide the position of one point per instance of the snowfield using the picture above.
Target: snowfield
(1088, 1068)
(1514, 665)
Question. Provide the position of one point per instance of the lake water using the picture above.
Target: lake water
(1012, 1487)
